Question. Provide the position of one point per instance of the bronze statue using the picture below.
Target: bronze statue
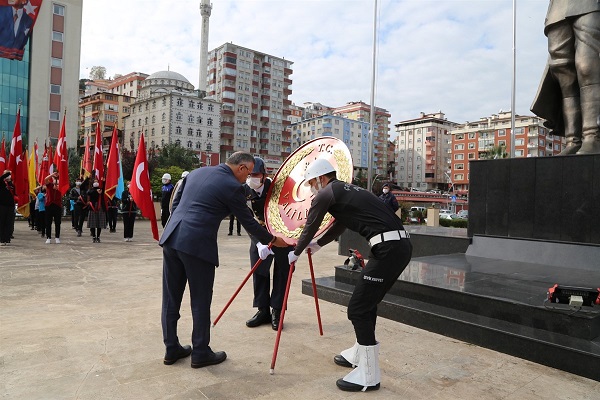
(568, 97)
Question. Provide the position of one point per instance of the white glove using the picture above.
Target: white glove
(263, 250)
(313, 246)
(292, 258)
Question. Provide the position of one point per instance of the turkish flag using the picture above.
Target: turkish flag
(98, 169)
(18, 166)
(61, 160)
(2, 157)
(140, 187)
(44, 165)
(112, 166)
(87, 160)
(16, 147)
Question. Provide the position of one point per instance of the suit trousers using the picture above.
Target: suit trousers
(386, 262)
(263, 296)
(128, 222)
(178, 269)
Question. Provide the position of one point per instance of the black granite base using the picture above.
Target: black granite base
(493, 303)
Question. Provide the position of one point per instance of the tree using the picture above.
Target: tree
(97, 72)
(494, 153)
(74, 163)
(156, 179)
(174, 155)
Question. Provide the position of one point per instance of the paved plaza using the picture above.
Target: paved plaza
(80, 320)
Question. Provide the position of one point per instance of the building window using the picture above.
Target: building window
(459, 166)
(179, 102)
(55, 89)
(152, 132)
(459, 156)
(191, 118)
(198, 132)
(210, 107)
(501, 132)
(178, 142)
(57, 36)
(471, 156)
(162, 130)
(58, 9)
(54, 116)
(178, 116)
(56, 62)
(190, 132)
(164, 117)
(189, 144)
(178, 130)
(471, 146)
(209, 121)
(199, 120)
(154, 119)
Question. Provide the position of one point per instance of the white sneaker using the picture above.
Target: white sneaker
(130, 239)
(126, 240)
(47, 241)
(57, 241)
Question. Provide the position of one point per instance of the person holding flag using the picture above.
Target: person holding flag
(112, 181)
(96, 201)
(53, 207)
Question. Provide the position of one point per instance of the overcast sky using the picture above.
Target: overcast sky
(453, 56)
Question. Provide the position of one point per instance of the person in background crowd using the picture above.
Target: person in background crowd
(53, 208)
(7, 208)
(239, 226)
(388, 198)
(78, 196)
(32, 219)
(167, 191)
(129, 212)
(111, 214)
(176, 189)
(97, 210)
(42, 211)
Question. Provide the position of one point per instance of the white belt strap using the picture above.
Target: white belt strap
(387, 236)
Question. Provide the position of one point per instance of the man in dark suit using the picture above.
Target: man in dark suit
(15, 25)
(189, 242)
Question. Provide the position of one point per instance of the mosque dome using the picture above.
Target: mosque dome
(168, 75)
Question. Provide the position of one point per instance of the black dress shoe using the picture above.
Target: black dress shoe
(182, 352)
(275, 316)
(260, 318)
(212, 359)
(341, 361)
(229, 234)
(353, 387)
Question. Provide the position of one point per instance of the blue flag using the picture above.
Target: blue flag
(120, 182)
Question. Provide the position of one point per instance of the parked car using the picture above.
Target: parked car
(448, 216)
(444, 211)
(464, 214)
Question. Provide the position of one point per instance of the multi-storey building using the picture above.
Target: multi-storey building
(295, 114)
(423, 152)
(254, 89)
(312, 110)
(482, 139)
(45, 82)
(355, 135)
(91, 87)
(102, 108)
(359, 111)
(127, 85)
(169, 110)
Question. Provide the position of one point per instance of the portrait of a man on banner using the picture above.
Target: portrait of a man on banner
(17, 18)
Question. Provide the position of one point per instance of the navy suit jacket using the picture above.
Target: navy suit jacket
(7, 33)
(207, 196)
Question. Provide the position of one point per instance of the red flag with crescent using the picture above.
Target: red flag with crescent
(98, 169)
(140, 188)
(2, 157)
(61, 160)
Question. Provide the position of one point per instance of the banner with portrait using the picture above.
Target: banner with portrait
(17, 18)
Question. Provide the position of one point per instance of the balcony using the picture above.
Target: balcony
(226, 147)
(265, 96)
(261, 151)
(286, 143)
(264, 130)
(287, 81)
(227, 135)
(228, 112)
(265, 107)
(264, 119)
(287, 71)
(264, 140)
(230, 124)
(287, 92)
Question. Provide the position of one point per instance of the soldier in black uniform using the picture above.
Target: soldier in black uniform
(361, 211)
(256, 188)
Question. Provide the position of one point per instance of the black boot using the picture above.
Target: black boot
(275, 316)
(260, 318)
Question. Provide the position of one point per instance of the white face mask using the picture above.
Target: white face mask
(385, 191)
(96, 184)
(315, 190)
(164, 181)
(78, 183)
(253, 182)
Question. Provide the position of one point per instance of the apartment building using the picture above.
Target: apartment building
(127, 85)
(424, 152)
(355, 134)
(45, 82)
(254, 88)
(360, 111)
(484, 138)
(102, 108)
(169, 110)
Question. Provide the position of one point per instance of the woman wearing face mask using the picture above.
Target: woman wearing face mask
(129, 210)
(388, 198)
(97, 210)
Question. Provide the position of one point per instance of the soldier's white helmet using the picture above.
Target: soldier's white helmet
(317, 168)
(166, 176)
(184, 174)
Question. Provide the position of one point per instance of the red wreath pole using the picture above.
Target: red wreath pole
(314, 287)
(238, 290)
(280, 327)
